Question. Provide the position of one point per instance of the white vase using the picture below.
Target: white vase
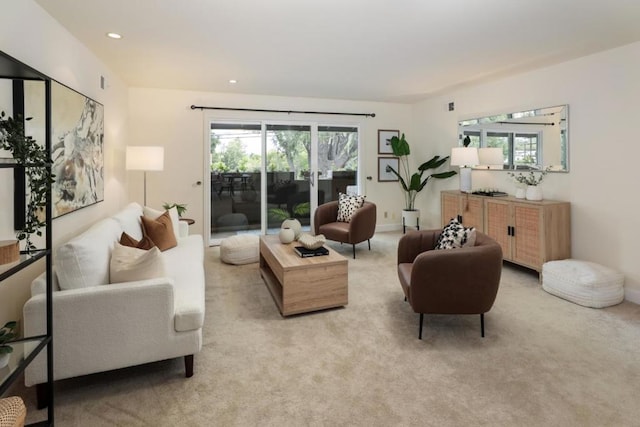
(534, 192)
(293, 224)
(4, 359)
(286, 235)
(521, 192)
(410, 218)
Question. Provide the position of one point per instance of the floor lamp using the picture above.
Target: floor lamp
(145, 158)
(465, 157)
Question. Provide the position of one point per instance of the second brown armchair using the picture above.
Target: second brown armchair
(361, 227)
(449, 281)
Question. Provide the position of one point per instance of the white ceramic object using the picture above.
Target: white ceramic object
(312, 242)
(286, 235)
(4, 359)
(534, 192)
(521, 193)
(293, 224)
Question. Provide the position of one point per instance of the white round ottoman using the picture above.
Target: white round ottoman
(584, 283)
(240, 249)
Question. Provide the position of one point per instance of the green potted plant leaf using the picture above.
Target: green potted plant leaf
(7, 333)
(181, 208)
(413, 183)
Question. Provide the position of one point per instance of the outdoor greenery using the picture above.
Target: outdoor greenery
(290, 150)
(412, 184)
(34, 158)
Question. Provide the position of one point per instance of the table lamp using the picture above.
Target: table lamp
(465, 157)
(145, 158)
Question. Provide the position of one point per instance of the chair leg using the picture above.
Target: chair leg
(482, 324)
(420, 333)
(188, 365)
(354, 251)
(42, 395)
(369, 242)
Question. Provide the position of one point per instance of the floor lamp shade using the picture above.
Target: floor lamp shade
(145, 158)
(465, 157)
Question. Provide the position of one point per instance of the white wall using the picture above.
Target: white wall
(30, 35)
(603, 93)
(164, 117)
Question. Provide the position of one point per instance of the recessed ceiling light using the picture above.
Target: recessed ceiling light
(232, 81)
(114, 36)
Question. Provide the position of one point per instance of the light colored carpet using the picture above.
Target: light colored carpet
(544, 361)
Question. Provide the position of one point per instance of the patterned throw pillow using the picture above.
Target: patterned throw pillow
(455, 235)
(348, 205)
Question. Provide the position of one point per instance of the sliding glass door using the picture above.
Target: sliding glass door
(263, 173)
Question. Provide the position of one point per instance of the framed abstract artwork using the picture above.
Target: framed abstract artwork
(77, 150)
(384, 146)
(385, 175)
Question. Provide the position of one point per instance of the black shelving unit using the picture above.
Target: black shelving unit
(27, 348)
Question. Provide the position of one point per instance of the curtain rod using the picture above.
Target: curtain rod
(200, 107)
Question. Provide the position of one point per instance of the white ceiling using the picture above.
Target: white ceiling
(381, 50)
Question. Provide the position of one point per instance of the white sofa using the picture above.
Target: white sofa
(99, 326)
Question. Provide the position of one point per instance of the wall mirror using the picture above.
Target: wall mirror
(529, 139)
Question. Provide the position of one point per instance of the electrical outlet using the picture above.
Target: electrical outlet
(385, 214)
(393, 216)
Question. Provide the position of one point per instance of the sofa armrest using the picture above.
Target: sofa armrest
(103, 327)
(183, 229)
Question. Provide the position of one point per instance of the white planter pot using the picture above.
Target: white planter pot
(521, 192)
(534, 192)
(4, 359)
(411, 218)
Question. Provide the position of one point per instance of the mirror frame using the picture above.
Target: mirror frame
(534, 120)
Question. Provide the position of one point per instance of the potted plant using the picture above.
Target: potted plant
(35, 160)
(7, 333)
(413, 183)
(181, 208)
(531, 180)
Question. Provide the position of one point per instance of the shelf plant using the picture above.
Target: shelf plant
(36, 161)
(8, 333)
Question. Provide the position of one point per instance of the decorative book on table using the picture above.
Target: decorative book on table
(304, 252)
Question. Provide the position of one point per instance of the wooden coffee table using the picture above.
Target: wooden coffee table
(299, 285)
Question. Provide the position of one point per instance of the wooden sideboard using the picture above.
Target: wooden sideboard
(530, 232)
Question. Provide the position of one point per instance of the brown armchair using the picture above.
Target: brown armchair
(361, 228)
(449, 281)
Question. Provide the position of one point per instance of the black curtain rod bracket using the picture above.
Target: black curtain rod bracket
(200, 107)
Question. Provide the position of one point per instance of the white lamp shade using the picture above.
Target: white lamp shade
(491, 157)
(464, 156)
(145, 158)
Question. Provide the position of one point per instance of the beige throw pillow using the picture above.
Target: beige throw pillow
(131, 264)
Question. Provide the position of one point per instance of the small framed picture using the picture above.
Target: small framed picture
(385, 175)
(384, 145)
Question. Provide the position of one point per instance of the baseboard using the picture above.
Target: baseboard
(632, 295)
